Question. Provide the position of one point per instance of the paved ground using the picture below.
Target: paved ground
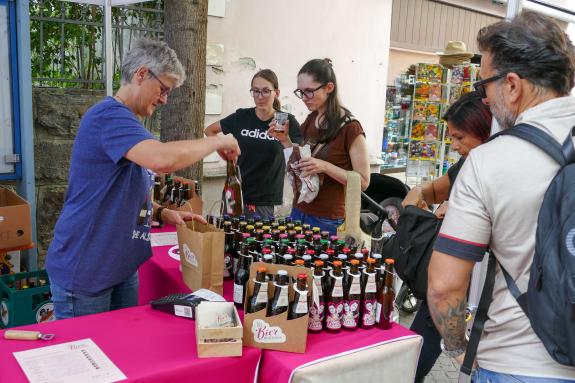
(445, 369)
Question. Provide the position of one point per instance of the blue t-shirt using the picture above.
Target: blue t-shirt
(103, 233)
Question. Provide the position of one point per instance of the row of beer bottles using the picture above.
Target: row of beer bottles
(175, 190)
(279, 302)
(353, 299)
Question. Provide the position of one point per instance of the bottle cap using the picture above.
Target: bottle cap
(354, 262)
(267, 251)
(370, 260)
(299, 262)
(376, 256)
(358, 256)
(262, 270)
(324, 256)
(389, 261)
(311, 252)
(306, 257)
(318, 263)
(282, 272)
(246, 235)
(268, 256)
(302, 276)
(343, 257)
(337, 263)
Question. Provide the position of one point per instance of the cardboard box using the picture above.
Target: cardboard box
(214, 341)
(276, 332)
(15, 221)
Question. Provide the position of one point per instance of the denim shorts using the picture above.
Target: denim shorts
(482, 375)
(69, 304)
(323, 223)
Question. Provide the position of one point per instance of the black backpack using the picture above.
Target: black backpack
(549, 301)
(411, 247)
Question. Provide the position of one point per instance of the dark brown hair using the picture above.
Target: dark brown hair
(321, 70)
(471, 116)
(534, 47)
(270, 76)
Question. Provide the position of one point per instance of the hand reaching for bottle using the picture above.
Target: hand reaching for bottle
(228, 147)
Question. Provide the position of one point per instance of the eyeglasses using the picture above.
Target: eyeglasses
(479, 86)
(308, 93)
(263, 93)
(164, 90)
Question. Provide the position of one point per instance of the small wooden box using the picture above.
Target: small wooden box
(213, 341)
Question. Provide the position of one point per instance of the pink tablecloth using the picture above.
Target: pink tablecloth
(278, 366)
(160, 275)
(146, 345)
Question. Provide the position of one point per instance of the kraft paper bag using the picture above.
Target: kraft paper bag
(350, 230)
(202, 256)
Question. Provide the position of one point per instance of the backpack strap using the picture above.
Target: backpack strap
(538, 138)
(480, 317)
(568, 148)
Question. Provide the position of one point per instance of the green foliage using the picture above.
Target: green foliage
(67, 40)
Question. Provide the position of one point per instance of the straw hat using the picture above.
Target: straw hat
(456, 49)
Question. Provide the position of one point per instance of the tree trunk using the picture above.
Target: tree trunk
(185, 30)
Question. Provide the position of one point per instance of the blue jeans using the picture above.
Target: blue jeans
(68, 304)
(482, 375)
(323, 223)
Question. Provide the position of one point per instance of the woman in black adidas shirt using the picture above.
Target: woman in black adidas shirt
(261, 163)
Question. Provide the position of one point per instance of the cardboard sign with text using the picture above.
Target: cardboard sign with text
(202, 256)
(15, 221)
(276, 332)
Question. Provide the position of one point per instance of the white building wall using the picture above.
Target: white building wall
(283, 34)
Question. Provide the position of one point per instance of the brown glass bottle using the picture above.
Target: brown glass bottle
(300, 305)
(317, 308)
(157, 189)
(242, 276)
(228, 251)
(335, 301)
(168, 190)
(279, 303)
(259, 298)
(386, 299)
(232, 193)
(351, 297)
(368, 295)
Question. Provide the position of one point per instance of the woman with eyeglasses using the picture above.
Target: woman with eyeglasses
(261, 162)
(337, 142)
(103, 233)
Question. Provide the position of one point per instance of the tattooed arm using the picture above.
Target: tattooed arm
(447, 297)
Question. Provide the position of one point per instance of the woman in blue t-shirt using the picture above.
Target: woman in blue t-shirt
(261, 163)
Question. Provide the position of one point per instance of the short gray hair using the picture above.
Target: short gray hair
(154, 55)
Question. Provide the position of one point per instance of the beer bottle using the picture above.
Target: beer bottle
(197, 189)
(316, 230)
(308, 235)
(242, 276)
(298, 230)
(157, 189)
(267, 229)
(324, 245)
(331, 254)
(306, 226)
(168, 190)
(288, 219)
(359, 257)
(335, 300)
(276, 235)
(250, 229)
(326, 268)
(236, 254)
(267, 256)
(291, 235)
(176, 191)
(281, 221)
(283, 230)
(301, 248)
(325, 235)
(352, 297)
(300, 305)
(279, 303)
(379, 270)
(317, 309)
(369, 295)
(232, 193)
(307, 258)
(259, 298)
(297, 222)
(386, 299)
(344, 265)
(259, 224)
(288, 259)
(228, 251)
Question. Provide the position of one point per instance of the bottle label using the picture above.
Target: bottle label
(370, 286)
(227, 265)
(238, 294)
(350, 313)
(337, 286)
(283, 298)
(316, 315)
(229, 200)
(368, 318)
(236, 261)
(355, 287)
(377, 312)
(301, 307)
(263, 293)
(317, 285)
(334, 313)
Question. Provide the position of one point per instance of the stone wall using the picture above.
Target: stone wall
(57, 115)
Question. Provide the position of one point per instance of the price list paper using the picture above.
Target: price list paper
(72, 362)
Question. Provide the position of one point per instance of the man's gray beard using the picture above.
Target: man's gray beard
(505, 118)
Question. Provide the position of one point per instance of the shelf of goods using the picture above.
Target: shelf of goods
(396, 126)
(436, 88)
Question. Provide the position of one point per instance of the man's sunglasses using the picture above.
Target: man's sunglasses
(479, 86)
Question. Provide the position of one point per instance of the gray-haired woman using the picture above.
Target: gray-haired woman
(100, 239)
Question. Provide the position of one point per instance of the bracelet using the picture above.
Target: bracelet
(159, 215)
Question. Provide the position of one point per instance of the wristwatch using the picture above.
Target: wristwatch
(451, 353)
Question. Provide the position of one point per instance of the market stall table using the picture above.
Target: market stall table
(146, 345)
(384, 356)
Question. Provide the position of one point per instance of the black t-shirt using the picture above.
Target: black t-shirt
(261, 163)
(452, 173)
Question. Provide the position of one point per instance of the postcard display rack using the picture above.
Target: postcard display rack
(436, 88)
(396, 130)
